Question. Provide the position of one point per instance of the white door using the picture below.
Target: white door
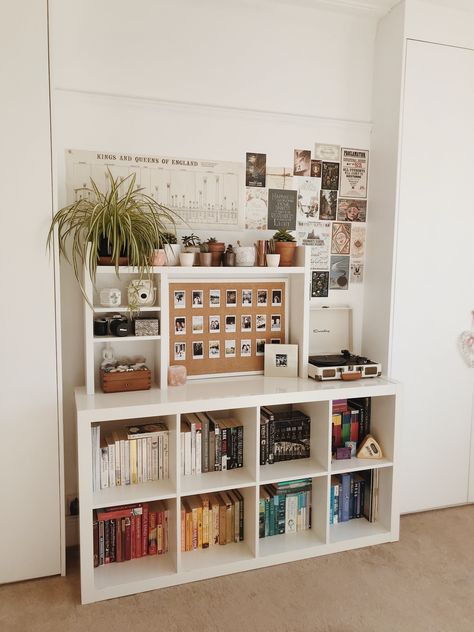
(434, 284)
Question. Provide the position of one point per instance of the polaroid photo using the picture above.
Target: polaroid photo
(262, 298)
(260, 322)
(214, 298)
(197, 298)
(198, 350)
(231, 298)
(246, 323)
(198, 324)
(260, 346)
(245, 348)
(179, 351)
(180, 325)
(276, 297)
(214, 349)
(230, 326)
(179, 299)
(275, 322)
(229, 347)
(246, 297)
(214, 324)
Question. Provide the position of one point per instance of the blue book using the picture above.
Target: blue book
(344, 498)
(331, 506)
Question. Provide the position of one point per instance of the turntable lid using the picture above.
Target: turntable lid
(330, 329)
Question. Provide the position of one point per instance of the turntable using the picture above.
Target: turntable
(331, 328)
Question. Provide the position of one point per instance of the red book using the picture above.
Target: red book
(138, 536)
(145, 529)
(128, 539)
(118, 541)
(354, 425)
(95, 531)
(159, 532)
(107, 542)
(152, 533)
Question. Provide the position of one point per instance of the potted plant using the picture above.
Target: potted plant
(272, 259)
(285, 246)
(172, 249)
(205, 257)
(216, 248)
(191, 243)
(120, 222)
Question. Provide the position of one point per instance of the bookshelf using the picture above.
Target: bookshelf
(242, 397)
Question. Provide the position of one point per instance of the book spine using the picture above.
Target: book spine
(193, 448)
(346, 427)
(104, 468)
(128, 541)
(159, 532)
(152, 545)
(271, 516)
(356, 498)
(113, 540)
(240, 446)
(215, 523)
(222, 523)
(291, 513)
(111, 453)
(198, 451)
(187, 456)
(351, 499)
(95, 536)
(106, 541)
(281, 512)
(205, 444)
(271, 441)
(224, 449)
(145, 530)
(154, 459)
(199, 527)
(194, 515)
(336, 503)
(118, 540)
(127, 461)
(138, 535)
(331, 506)
(165, 531)
(212, 450)
(183, 529)
(261, 518)
(133, 535)
(181, 452)
(218, 461)
(345, 496)
(205, 523)
(263, 440)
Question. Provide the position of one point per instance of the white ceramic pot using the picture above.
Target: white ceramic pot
(273, 261)
(172, 254)
(245, 256)
(195, 250)
(186, 259)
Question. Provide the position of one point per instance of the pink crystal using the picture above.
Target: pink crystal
(176, 375)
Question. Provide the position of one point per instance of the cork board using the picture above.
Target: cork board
(222, 327)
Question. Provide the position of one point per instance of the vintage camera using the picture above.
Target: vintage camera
(119, 326)
(141, 292)
(110, 297)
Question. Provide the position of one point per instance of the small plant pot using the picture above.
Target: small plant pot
(159, 258)
(217, 250)
(273, 261)
(286, 250)
(186, 259)
(195, 251)
(245, 256)
(172, 254)
(205, 259)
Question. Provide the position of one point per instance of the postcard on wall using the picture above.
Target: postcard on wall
(316, 168)
(319, 238)
(357, 272)
(302, 162)
(308, 200)
(354, 170)
(256, 208)
(330, 175)
(339, 272)
(323, 151)
(319, 284)
(349, 210)
(282, 209)
(341, 238)
(280, 178)
(328, 205)
(358, 241)
(255, 169)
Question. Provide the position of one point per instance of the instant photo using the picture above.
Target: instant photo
(245, 348)
(179, 351)
(179, 299)
(231, 298)
(276, 297)
(214, 349)
(197, 298)
(260, 322)
(246, 297)
(198, 350)
(276, 322)
(214, 324)
(214, 298)
(198, 324)
(180, 325)
(229, 347)
(260, 346)
(262, 298)
(230, 326)
(246, 323)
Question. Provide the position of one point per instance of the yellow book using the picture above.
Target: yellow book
(205, 521)
(133, 462)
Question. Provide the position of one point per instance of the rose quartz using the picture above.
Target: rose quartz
(176, 375)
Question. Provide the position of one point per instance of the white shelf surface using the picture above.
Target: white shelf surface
(354, 529)
(353, 465)
(208, 271)
(139, 493)
(288, 542)
(125, 338)
(125, 308)
(216, 481)
(289, 470)
(217, 555)
(145, 568)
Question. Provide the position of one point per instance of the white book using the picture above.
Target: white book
(193, 448)
(291, 513)
(104, 467)
(111, 453)
(149, 462)
(187, 454)
(126, 452)
(160, 456)
(166, 451)
(181, 454)
(198, 451)
(97, 458)
(154, 459)
(94, 463)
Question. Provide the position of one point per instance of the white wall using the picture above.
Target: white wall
(205, 80)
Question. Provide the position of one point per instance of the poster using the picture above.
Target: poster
(255, 169)
(324, 151)
(319, 238)
(328, 205)
(339, 272)
(279, 178)
(349, 210)
(281, 209)
(358, 241)
(341, 238)
(319, 284)
(302, 162)
(308, 200)
(354, 169)
(357, 272)
(256, 208)
(316, 168)
(330, 175)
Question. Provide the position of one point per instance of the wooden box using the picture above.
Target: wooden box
(119, 381)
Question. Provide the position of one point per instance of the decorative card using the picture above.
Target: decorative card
(281, 209)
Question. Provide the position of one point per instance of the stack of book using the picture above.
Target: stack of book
(354, 495)
(285, 507)
(211, 519)
(350, 421)
(129, 532)
(284, 435)
(130, 455)
(210, 444)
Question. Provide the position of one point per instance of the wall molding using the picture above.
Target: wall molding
(377, 8)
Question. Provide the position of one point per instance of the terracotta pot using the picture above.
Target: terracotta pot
(205, 259)
(286, 250)
(217, 250)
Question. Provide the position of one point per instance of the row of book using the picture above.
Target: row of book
(128, 532)
(285, 507)
(211, 519)
(210, 444)
(354, 495)
(129, 455)
(284, 435)
(350, 421)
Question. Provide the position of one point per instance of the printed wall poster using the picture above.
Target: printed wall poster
(341, 239)
(354, 169)
(319, 238)
(339, 273)
(330, 175)
(349, 210)
(302, 162)
(279, 178)
(328, 205)
(319, 284)
(281, 209)
(358, 241)
(255, 169)
(324, 151)
(308, 201)
(316, 168)
(357, 272)
(256, 208)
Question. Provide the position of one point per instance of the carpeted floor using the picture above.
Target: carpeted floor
(424, 583)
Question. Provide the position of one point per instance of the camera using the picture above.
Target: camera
(119, 326)
(141, 292)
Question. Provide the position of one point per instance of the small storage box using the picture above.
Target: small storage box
(147, 327)
(118, 381)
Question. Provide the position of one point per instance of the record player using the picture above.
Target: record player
(330, 330)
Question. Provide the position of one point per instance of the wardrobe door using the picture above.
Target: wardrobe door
(434, 284)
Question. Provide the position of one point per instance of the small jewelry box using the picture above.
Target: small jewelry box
(147, 327)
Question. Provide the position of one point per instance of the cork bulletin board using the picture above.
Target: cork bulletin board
(221, 328)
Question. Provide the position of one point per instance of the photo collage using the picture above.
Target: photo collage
(223, 327)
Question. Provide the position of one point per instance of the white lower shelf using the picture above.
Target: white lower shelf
(356, 528)
(128, 494)
(288, 543)
(217, 555)
(354, 465)
(216, 481)
(146, 568)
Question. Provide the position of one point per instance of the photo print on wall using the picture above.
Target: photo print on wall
(328, 205)
(349, 210)
(255, 169)
(339, 272)
(302, 162)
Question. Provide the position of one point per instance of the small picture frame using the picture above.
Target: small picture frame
(231, 298)
(281, 360)
(179, 351)
(198, 324)
(246, 297)
(214, 324)
(214, 298)
(197, 298)
(180, 325)
(230, 326)
(180, 299)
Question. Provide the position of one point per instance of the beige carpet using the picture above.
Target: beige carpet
(423, 583)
